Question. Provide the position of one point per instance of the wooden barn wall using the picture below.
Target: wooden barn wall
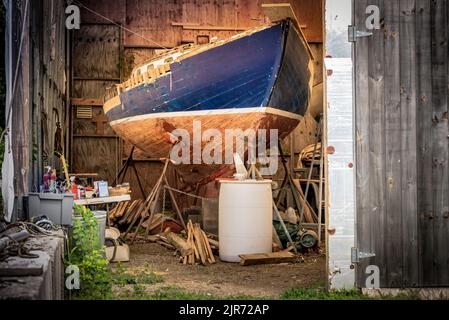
(48, 94)
(163, 24)
(20, 107)
(96, 51)
(402, 146)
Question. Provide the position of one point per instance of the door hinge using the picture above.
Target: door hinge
(357, 255)
(353, 34)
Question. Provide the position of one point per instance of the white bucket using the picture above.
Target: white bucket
(245, 218)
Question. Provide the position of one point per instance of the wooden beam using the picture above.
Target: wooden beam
(282, 11)
(266, 258)
(180, 244)
(86, 102)
(197, 26)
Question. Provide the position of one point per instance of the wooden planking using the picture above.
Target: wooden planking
(362, 140)
(393, 146)
(20, 105)
(96, 63)
(444, 231)
(91, 89)
(410, 266)
(409, 232)
(242, 13)
(209, 13)
(97, 52)
(152, 20)
(424, 127)
(157, 20)
(88, 127)
(48, 88)
(86, 102)
(113, 10)
(266, 258)
(309, 13)
(95, 155)
(377, 194)
(440, 179)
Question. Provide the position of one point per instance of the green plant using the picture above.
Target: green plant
(86, 253)
(320, 293)
(122, 278)
(141, 278)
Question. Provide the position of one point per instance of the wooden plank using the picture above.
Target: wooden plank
(440, 154)
(393, 138)
(444, 231)
(281, 11)
(96, 51)
(215, 28)
(362, 126)
(95, 201)
(152, 21)
(424, 126)
(183, 247)
(377, 214)
(266, 258)
(208, 247)
(86, 102)
(407, 42)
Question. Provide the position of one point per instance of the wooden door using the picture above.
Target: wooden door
(96, 51)
(401, 112)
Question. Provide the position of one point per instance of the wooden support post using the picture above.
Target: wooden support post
(175, 204)
(306, 193)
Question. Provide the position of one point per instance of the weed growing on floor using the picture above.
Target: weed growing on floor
(122, 278)
(174, 293)
(88, 255)
(320, 293)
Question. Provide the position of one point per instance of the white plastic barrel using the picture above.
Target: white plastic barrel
(245, 218)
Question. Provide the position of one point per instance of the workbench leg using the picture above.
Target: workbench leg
(107, 214)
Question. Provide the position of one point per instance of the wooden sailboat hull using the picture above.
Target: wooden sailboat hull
(259, 81)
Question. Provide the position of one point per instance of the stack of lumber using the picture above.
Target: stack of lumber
(160, 223)
(201, 245)
(124, 212)
(198, 248)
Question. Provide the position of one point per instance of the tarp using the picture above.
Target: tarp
(8, 161)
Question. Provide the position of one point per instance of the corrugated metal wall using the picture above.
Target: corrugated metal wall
(402, 145)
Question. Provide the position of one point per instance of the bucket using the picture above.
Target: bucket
(245, 218)
(101, 221)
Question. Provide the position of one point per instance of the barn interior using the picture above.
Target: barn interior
(71, 72)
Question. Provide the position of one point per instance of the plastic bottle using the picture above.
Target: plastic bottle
(53, 181)
(74, 187)
(47, 179)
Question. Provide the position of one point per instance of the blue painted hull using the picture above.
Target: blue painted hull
(255, 71)
(258, 81)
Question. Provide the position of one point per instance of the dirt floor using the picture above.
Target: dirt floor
(226, 279)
